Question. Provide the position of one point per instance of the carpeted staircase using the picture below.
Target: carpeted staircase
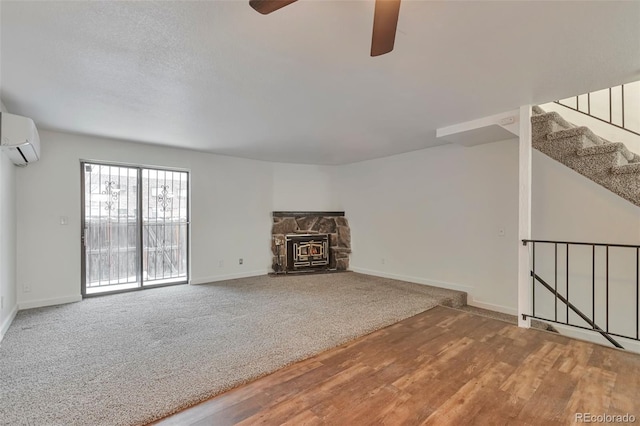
(609, 164)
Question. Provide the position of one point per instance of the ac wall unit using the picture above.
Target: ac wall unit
(19, 139)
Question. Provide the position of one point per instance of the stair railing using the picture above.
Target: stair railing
(620, 104)
(564, 295)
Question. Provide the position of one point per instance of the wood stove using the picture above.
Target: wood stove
(307, 251)
(289, 227)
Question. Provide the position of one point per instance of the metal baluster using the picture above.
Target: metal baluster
(567, 272)
(622, 105)
(533, 278)
(593, 284)
(607, 290)
(555, 277)
(610, 106)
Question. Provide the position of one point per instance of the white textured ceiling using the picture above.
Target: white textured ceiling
(299, 85)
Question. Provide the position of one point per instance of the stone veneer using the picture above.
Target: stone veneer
(332, 223)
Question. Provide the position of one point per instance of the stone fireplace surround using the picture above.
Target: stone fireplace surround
(333, 223)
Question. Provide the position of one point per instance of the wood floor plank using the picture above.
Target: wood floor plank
(440, 367)
(549, 402)
(623, 397)
(504, 410)
(593, 392)
(427, 395)
(470, 398)
(528, 377)
(305, 418)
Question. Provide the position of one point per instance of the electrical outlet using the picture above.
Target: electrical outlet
(220, 263)
(501, 232)
(240, 261)
(382, 261)
(26, 288)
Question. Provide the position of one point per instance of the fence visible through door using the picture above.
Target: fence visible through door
(135, 229)
(164, 219)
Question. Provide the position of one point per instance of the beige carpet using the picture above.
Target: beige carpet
(132, 358)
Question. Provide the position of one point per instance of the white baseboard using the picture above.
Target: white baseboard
(416, 280)
(491, 306)
(7, 322)
(595, 337)
(49, 302)
(206, 280)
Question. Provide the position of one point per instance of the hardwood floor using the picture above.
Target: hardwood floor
(440, 367)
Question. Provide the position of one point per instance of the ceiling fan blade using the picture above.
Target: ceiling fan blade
(385, 22)
(268, 6)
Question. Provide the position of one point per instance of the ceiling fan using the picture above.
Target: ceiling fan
(385, 21)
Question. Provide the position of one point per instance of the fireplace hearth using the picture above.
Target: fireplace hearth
(310, 242)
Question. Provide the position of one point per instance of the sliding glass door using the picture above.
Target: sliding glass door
(135, 227)
(164, 226)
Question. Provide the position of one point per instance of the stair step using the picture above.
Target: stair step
(626, 169)
(584, 133)
(536, 110)
(606, 171)
(552, 117)
(608, 148)
(592, 165)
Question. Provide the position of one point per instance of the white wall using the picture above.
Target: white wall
(7, 241)
(231, 202)
(303, 188)
(433, 216)
(568, 206)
